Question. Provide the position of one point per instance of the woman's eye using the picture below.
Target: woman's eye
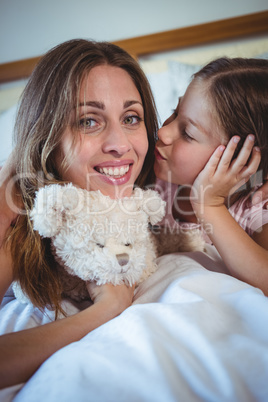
(132, 120)
(87, 123)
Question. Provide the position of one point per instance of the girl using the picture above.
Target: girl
(225, 98)
(87, 116)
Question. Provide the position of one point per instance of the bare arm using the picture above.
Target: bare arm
(23, 352)
(245, 257)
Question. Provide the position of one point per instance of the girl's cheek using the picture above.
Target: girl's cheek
(177, 154)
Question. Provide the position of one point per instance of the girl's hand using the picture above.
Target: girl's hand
(119, 297)
(222, 175)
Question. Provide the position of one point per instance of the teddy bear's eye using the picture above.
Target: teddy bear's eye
(127, 244)
(100, 245)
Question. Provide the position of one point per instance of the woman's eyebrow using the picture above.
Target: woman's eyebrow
(131, 102)
(98, 105)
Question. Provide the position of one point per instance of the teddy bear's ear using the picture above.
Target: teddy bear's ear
(153, 206)
(48, 210)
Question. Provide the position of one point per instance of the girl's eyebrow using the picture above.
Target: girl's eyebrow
(199, 127)
(100, 105)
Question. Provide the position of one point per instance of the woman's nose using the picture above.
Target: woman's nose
(116, 141)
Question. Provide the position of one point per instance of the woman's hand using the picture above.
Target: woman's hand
(222, 175)
(117, 297)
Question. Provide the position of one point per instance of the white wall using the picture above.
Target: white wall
(29, 28)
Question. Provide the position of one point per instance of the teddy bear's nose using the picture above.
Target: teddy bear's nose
(122, 259)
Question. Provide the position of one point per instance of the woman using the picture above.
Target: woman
(87, 116)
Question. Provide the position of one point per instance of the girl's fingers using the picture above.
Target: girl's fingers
(242, 159)
(253, 164)
(226, 159)
(214, 160)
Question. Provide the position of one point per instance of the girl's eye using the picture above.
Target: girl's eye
(186, 136)
(132, 120)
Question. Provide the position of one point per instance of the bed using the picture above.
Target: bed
(193, 333)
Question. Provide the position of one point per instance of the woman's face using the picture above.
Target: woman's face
(187, 139)
(112, 138)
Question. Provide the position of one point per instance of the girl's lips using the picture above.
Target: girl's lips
(158, 155)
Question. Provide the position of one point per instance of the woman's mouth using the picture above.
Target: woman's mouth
(115, 172)
(111, 171)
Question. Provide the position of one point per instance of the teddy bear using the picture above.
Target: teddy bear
(97, 238)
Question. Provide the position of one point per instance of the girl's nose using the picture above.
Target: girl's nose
(116, 141)
(165, 135)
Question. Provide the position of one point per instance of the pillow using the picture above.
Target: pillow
(162, 91)
(7, 121)
(262, 56)
(167, 86)
(180, 74)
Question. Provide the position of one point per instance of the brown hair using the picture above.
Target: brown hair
(238, 91)
(48, 99)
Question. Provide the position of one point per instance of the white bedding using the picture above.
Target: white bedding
(191, 335)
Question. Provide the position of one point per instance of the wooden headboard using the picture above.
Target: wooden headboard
(233, 28)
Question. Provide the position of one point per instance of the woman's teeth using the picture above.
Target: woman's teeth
(110, 171)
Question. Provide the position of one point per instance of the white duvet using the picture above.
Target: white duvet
(192, 334)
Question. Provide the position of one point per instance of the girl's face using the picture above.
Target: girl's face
(188, 138)
(112, 137)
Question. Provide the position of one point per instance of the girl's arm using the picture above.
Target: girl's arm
(23, 352)
(245, 257)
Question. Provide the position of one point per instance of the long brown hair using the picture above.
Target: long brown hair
(48, 99)
(238, 92)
